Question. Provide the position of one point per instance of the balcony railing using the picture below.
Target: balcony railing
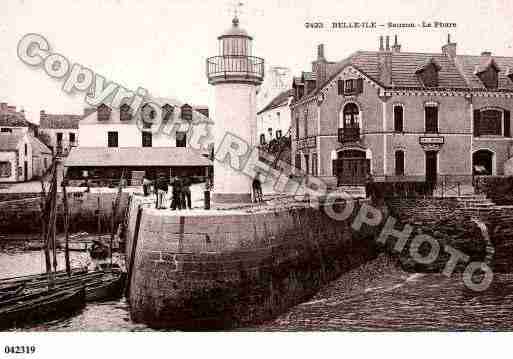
(348, 134)
(235, 67)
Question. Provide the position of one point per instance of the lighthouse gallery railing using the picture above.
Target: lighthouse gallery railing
(235, 65)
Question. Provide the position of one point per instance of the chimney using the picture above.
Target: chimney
(320, 52)
(385, 62)
(3, 106)
(319, 66)
(449, 49)
(396, 47)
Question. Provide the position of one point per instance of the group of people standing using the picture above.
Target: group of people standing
(180, 190)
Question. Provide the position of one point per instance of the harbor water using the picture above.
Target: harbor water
(378, 296)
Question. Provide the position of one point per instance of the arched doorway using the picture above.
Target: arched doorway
(482, 163)
(351, 166)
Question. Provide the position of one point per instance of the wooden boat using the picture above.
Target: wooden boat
(10, 291)
(107, 288)
(41, 276)
(49, 304)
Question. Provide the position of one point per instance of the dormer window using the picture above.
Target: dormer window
(428, 73)
(103, 112)
(167, 110)
(186, 111)
(488, 73)
(125, 113)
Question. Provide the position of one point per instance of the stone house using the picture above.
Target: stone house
(15, 157)
(60, 130)
(396, 116)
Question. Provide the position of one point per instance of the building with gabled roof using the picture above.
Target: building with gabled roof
(117, 140)
(273, 121)
(15, 157)
(394, 116)
(59, 131)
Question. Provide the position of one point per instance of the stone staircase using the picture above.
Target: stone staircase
(475, 202)
(353, 191)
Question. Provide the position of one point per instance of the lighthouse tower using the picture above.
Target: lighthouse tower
(235, 75)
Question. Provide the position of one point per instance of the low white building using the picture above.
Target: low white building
(273, 121)
(116, 141)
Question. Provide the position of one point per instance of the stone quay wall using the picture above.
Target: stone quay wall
(197, 270)
(452, 223)
(24, 215)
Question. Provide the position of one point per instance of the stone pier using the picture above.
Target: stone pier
(222, 269)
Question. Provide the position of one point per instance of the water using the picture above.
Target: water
(376, 297)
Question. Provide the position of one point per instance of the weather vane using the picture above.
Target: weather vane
(235, 8)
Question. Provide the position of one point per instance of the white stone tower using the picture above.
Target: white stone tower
(235, 75)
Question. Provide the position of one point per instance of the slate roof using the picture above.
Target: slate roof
(280, 100)
(135, 156)
(59, 121)
(10, 141)
(459, 74)
(14, 120)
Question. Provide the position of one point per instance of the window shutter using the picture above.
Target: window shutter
(507, 123)
(340, 87)
(359, 85)
(477, 116)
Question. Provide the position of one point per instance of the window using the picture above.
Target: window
(298, 161)
(147, 139)
(45, 162)
(314, 164)
(306, 124)
(262, 139)
(278, 133)
(5, 169)
(351, 114)
(103, 112)
(399, 163)
(112, 139)
(167, 111)
(307, 164)
(489, 77)
(181, 139)
(490, 123)
(9, 130)
(398, 118)
(297, 128)
(431, 117)
(186, 112)
(125, 113)
(350, 87)
(59, 137)
(26, 150)
(71, 137)
(148, 116)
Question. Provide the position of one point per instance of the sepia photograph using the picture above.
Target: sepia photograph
(276, 177)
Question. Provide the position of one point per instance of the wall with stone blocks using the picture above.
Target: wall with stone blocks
(221, 269)
(23, 215)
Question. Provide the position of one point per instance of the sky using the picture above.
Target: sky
(162, 45)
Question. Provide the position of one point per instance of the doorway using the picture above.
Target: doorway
(25, 171)
(431, 167)
(482, 163)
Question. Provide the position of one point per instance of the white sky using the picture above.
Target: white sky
(162, 45)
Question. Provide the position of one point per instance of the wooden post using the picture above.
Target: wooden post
(99, 223)
(54, 221)
(66, 229)
(133, 250)
(115, 205)
(44, 218)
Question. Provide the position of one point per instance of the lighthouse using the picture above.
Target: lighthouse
(235, 75)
